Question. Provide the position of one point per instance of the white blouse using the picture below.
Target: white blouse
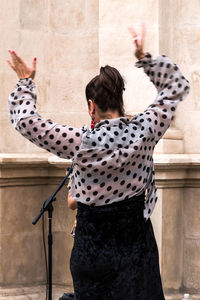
(114, 161)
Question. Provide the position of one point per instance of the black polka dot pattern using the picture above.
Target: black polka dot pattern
(114, 161)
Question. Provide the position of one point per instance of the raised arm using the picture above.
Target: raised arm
(172, 88)
(171, 85)
(61, 140)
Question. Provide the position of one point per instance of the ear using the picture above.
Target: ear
(91, 108)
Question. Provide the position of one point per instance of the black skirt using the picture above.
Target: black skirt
(115, 256)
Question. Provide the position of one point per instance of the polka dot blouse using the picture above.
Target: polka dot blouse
(114, 161)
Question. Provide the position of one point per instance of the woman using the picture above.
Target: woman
(115, 254)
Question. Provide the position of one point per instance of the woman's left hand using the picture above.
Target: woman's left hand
(20, 67)
(138, 40)
(71, 202)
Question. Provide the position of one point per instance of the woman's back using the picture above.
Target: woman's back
(113, 162)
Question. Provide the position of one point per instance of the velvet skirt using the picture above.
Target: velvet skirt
(115, 256)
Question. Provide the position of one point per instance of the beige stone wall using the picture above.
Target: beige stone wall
(176, 221)
(180, 38)
(116, 47)
(27, 180)
(191, 208)
(25, 183)
(63, 35)
(71, 39)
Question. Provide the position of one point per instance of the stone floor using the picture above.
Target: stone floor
(180, 297)
(32, 293)
(38, 293)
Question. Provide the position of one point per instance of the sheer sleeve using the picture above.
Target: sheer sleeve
(61, 140)
(172, 87)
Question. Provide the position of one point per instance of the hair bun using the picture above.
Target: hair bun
(107, 89)
(111, 79)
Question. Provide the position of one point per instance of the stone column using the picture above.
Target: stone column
(176, 221)
(179, 38)
(191, 215)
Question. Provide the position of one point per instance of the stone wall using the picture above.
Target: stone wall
(179, 37)
(63, 35)
(71, 39)
(26, 182)
(176, 222)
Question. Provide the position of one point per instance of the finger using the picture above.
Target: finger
(132, 31)
(14, 60)
(139, 41)
(11, 65)
(18, 58)
(143, 31)
(140, 38)
(34, 63)
(135, 36)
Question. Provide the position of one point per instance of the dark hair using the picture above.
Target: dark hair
(106, 90)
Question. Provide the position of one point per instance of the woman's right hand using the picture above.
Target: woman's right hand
(20, 67)
(138, 41)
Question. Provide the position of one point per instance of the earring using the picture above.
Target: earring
(92, 123)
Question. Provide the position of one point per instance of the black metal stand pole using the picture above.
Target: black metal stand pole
(47, 206)
(50, 248)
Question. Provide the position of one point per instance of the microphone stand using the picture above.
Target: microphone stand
(47, 206)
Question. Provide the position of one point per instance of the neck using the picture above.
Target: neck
(108, 115)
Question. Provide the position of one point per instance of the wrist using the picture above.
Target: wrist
(26, 82)
(22, 78)
(144, 61)
(142, 55)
